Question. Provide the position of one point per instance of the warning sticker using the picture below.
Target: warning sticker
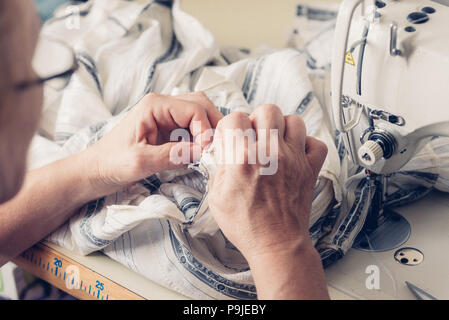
(349, 59)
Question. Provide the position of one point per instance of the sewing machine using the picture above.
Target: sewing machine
(390, 95)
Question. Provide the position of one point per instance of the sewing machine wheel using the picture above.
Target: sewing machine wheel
(391, 233)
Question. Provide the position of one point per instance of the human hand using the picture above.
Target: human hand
(263, 214)
(139, 145)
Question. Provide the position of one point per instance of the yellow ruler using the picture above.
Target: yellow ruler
(71, 276)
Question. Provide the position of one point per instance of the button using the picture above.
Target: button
(429, 10)
(410, 29)
(418, 17)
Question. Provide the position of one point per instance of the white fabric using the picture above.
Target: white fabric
(126, 50)
(160, 227)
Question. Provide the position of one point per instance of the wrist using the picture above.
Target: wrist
(277, 241)
(90, 180)
(301, 246)
(293, 273)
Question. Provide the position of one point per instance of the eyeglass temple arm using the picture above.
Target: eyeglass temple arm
(27, 84)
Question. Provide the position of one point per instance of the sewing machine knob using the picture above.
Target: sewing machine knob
(370, 152)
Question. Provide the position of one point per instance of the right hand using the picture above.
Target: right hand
(139, 145)
(258, 213)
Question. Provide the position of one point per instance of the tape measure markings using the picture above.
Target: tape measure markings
(54, 264)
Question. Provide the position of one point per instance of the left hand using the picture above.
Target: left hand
(264, 214)
(139, 145)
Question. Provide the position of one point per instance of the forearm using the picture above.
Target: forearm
(292, 274)
(49, 196)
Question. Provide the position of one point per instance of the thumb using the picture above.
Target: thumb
(316, 152)
(172, 155)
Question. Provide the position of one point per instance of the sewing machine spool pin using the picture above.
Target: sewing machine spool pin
(384, 229)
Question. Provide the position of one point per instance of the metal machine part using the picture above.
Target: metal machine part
(409, 256)
(392, 232)
(384, 229)
(394, 51)
(419, 293)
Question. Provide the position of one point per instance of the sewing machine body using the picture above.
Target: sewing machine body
(390, 95)
(393, 75)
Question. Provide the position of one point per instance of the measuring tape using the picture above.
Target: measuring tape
(71, 276)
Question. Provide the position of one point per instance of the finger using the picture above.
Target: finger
(267, 117)
(171, 155)
(213, 115)
(187, 114)
(269, 125)
(234, 120)
(316, 152)
(201, 98)
(233, 137)
(295, 132)
(147, 129)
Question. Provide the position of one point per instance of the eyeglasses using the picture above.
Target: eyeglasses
(54, 62)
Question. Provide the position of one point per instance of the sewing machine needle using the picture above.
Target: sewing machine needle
(419, 293)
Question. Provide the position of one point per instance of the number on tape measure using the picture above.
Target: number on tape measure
(99, 285)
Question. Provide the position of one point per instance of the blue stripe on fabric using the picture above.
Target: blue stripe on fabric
(225, 286)
(89, 64)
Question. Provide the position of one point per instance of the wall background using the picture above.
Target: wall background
(46, 7)
(246, 23)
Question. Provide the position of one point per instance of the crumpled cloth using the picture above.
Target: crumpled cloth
(161, 226)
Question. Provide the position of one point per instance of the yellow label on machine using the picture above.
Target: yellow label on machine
(71, 276)
(349, 59)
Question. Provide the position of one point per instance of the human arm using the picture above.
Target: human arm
(49, 196)
(135, 148)
(266, 216)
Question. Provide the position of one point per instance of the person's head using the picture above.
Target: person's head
(19, 110)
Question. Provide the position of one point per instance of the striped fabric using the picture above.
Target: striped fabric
(161, 227)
